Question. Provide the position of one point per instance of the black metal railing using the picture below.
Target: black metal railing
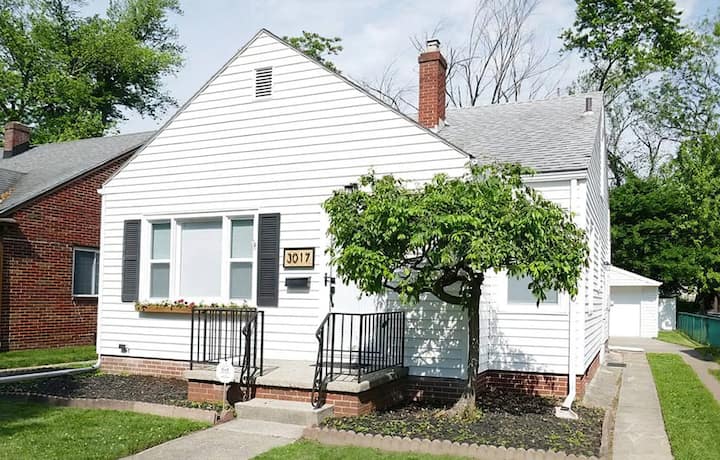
(355, 345)
(229, 334)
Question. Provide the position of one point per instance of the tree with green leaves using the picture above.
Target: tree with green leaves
(442, 237)
(696, 172)
(317, 47)
(668, 227)
(625, 40)
(72, 77)
(650, 224)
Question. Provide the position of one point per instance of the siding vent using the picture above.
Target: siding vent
(263, 82)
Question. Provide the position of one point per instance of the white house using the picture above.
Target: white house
(207, 208)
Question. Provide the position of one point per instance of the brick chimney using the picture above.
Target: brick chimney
(16, 139)
(431, 104)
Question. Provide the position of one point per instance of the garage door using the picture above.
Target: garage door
(625, 312)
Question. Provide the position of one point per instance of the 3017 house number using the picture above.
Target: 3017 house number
(299, 257)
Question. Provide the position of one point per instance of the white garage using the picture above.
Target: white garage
(634, 304)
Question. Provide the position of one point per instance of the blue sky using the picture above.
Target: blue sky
(375, 33)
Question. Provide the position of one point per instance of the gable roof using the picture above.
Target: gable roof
(550, 135)
(48, 166)
(619, 277)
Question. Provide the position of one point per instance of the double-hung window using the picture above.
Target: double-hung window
(202, 259)
(85, 272)
(160, 260)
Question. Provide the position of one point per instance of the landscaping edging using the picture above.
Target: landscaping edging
(163, 410)
(434, 447)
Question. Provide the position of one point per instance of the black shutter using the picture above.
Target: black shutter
(131, 261)
(268, 276)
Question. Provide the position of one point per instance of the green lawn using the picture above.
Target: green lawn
(691, 413)
(310, 450)
(29, 431)
(42, 356)
(678, 338)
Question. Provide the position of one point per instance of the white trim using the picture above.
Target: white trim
(619, 277)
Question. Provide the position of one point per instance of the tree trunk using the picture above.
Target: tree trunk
(465, 406)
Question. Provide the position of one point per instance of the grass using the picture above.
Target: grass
(310, 450)
(691, 413)
(30, 430)
(43, 356)
(678, 338)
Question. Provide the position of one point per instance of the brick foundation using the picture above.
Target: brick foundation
(200, 391)
(346, 404)
(143, 366)
(537, 383)
(427, 389)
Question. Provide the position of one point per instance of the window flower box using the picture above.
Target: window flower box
(184, 307)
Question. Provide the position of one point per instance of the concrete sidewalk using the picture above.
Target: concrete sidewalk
(237, 440)
(694, 359)
(639, 427)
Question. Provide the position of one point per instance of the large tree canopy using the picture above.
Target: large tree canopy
(668, 228)
(71, 76)
(441, 238)
(624, 40)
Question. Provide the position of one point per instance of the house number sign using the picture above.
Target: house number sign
(299, 258)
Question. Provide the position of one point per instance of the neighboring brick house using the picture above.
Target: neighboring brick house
(50, 234)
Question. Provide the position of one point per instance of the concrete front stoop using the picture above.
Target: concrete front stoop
(279, 411)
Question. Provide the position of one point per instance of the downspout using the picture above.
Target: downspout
(48, 374)
(565, 409)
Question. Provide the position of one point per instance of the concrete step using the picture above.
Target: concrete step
(263, 428)
(290, 412)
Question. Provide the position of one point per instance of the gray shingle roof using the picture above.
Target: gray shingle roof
(547, 135)
(45, 167)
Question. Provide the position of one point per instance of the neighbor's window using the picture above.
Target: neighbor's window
(241, 259)
(160, 260)
(519, 293)
(85, 272)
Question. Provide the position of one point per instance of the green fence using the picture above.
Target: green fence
(702, 329)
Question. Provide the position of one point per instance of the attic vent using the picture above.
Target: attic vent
(263, 82)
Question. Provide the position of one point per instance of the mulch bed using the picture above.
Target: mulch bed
(509, 420)
(109, 386)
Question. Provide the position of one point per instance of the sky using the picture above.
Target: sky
(375, 34)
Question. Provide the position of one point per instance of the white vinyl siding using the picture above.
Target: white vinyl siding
(596, 296)
(228, 152)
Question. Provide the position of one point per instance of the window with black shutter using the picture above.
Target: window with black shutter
(268, 267)
(131, 261)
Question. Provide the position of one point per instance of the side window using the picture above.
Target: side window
(85, 272)
(160, 260)
(519, 293)
(241, 259)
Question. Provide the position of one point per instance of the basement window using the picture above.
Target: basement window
(263, 82)
(85, 272)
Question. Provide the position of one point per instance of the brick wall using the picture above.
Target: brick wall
(37, 309)
(143, 366)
